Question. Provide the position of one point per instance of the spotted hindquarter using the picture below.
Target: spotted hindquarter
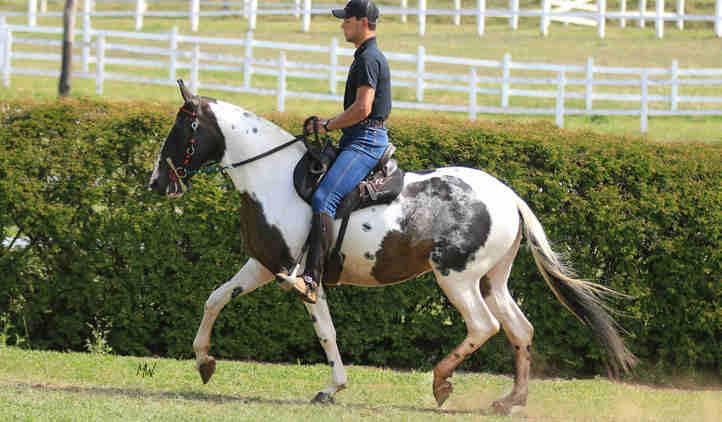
(440, 221)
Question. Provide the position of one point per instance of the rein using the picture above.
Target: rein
(181, 172)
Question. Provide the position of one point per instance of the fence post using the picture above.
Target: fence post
(420, 65)
(505, 71)
(245, 4)
(281, 98)
(514, 18)
(644, 112)
(544, 21)
(601, 17)
(7, 57)
(306, 15)
(718, 18)
(99, 63)
(588, 84)
(333, 64)
(642, 12)
(674, 95)
(680, 14)
(85, 52)
(404, 6)
(173, 55)
(140, 8)
(473, 82)
(623, 9)
(195, 63)
(559, 109)
(43, 6)
(296, 9)
(480, 17)
(247, 58)
(422, 17)
(457, 12)
(195, 12)
(659, 18)
(253, 15)
(32, 12)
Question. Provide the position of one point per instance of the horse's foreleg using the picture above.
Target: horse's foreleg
(322, 323)
(517, 328)
(249, 278)
(462, 289)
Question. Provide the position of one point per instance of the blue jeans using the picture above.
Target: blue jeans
(361, 149)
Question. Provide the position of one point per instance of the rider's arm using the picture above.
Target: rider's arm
(359, 110)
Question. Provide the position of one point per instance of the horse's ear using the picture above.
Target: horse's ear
(185, 93)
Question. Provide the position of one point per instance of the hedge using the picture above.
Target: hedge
(107, 256)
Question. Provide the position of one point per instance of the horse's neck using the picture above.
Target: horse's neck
(269, 179)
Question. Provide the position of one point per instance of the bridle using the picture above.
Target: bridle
(178, 173)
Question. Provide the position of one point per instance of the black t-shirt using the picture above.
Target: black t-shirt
(370, 68)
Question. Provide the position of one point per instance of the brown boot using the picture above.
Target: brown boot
(320, 241)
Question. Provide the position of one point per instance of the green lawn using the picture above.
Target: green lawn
(39, 386)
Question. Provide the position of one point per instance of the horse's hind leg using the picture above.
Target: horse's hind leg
(323, 325)
(249, 278)
(517, 328)
(462, 289)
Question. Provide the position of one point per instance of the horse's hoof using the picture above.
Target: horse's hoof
(442, 391)
(500, 408)
(323, 398)
(206, 369)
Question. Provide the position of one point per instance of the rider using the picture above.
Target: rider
(367, 104)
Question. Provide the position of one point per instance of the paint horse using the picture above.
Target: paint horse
(460, 223)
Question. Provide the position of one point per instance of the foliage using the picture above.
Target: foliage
(643, 219)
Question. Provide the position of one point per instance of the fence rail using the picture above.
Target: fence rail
(496, 90)
(596, 14)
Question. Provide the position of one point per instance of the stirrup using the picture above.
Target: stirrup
(305, 290)
(287, 281)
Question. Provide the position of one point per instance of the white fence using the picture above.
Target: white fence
(304, 10)
(582, 84)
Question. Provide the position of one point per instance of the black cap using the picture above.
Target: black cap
(359, 9)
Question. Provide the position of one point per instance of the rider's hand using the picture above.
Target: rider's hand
(320, 123)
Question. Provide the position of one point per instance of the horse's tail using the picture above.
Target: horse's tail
(584, 299)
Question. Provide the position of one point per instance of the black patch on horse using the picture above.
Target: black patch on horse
(263, 241)
(440, 221)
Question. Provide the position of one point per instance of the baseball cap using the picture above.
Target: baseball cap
(359, 9)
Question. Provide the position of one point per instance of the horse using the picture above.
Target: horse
(461, 223)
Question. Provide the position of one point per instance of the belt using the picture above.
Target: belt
(376, 123)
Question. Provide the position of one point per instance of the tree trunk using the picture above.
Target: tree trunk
(66, 69)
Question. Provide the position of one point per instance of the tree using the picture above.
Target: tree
(66, 69)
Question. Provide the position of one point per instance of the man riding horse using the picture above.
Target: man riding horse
(367, 104)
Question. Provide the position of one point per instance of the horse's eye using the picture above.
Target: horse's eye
(194, 124)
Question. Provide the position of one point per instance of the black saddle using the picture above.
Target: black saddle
(381, 186)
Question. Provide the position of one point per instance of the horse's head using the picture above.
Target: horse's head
(194, 140)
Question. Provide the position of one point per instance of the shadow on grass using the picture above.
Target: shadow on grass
(216, 398)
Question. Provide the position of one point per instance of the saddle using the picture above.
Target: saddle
(381, 186)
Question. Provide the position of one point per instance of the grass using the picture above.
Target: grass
(661, 129)
(38, 386)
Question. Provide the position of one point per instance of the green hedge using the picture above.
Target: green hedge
(107, 253)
